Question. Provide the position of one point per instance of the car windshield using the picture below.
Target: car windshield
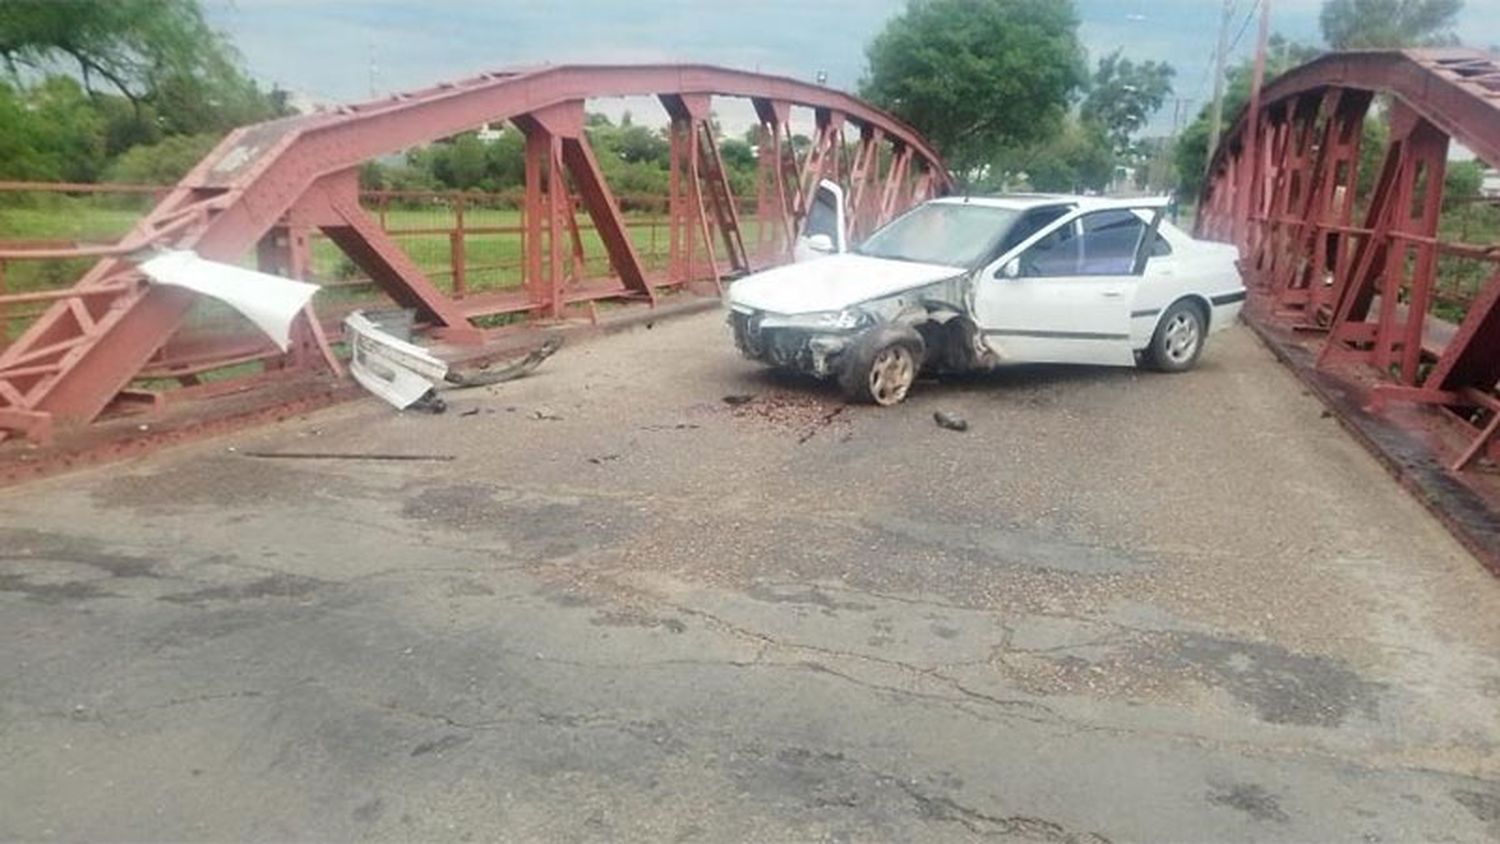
(959, 235)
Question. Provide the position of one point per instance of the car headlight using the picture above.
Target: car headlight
(845, 320)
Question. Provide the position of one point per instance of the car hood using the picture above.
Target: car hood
(832, 283)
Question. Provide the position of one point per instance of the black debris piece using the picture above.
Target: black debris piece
(951, 421)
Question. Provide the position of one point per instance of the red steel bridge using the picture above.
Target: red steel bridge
(265, 187)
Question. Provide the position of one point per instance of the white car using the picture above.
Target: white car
(965, 283)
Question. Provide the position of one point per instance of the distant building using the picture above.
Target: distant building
(1489, 187)
(1123, 182)
(488, 133)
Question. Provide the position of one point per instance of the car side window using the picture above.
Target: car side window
(1110, 241)
(1054, 255)
(1100, 243)
(1033, 222)
(1160, 247)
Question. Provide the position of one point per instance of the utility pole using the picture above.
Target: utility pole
(1254, 149)
(1216, 122)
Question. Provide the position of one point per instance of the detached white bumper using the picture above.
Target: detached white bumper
(391, 368)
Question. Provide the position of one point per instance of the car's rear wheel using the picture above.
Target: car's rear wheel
(1179, 338)
(883, 365)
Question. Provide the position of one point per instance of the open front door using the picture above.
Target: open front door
(1065, 295)
(823, 229)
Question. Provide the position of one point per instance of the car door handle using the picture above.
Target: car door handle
(1113, 294)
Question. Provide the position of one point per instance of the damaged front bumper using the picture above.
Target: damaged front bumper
(812, 343)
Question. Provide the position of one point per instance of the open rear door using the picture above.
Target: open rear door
(823, 229)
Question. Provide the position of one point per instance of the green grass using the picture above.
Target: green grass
(67, 222)
(493, 260)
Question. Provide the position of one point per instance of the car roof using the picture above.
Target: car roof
(1027, 201)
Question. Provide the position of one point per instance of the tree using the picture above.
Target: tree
(1077, 159)
(977, 76)
(1123, 95)
(1462, 181)
(637, 144)
(131, 45)
(161, 163)
(1383, 24)
(737, 154)
(159, 55)
(50, 132)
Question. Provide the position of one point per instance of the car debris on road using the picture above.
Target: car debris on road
(406, 375)
(951, 421)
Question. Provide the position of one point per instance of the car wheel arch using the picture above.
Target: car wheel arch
(1197, 300)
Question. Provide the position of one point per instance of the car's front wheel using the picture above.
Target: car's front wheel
(882, 365)
(1179, 338)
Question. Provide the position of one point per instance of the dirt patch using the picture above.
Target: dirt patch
(530, 524)
(631, 618)
(282, 586)
(1013, 546)
(219, 482)
(803, 414)
(37, 564)
(1282, 687)
(1251, 799)
(806, 595)
(1484, 806)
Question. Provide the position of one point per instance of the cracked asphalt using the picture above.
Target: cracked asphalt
(1121, 607)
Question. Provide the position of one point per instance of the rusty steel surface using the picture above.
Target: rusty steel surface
(1376, 282)
(267, 187)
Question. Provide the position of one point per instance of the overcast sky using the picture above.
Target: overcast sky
(327, 48)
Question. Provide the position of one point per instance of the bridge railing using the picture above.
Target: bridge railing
(1365, 256)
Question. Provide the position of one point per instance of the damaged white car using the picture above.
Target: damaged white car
(961, 283)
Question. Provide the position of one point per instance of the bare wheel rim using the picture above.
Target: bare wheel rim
(1182, 337)
(892, 374)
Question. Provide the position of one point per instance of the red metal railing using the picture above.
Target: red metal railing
(1390, 285)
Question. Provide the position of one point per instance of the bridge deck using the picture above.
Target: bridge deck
(1134, 606)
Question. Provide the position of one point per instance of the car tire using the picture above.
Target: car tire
(882, 365)
(1179, 338)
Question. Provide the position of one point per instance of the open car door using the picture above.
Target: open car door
(1065, 294)
(823, 228)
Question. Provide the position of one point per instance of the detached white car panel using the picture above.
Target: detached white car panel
(961, 283)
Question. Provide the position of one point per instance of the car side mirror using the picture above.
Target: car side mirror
(1010, 269)
(820, 243)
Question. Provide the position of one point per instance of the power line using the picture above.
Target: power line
(1220, 55)
(1250, 15)
(1208, 71)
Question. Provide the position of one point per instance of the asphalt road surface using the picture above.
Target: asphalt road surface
(1120, 607)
